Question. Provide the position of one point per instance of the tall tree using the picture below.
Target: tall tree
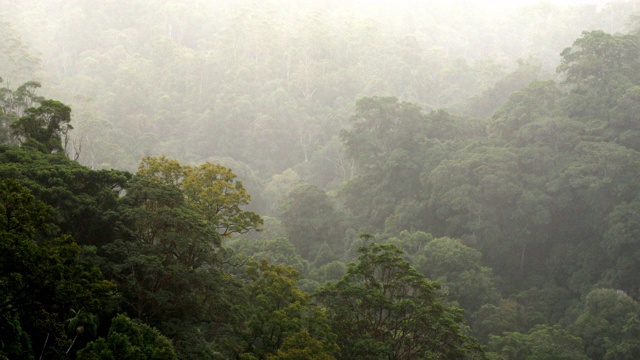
(45, 127)
(42, 277)
(210, 189)
(608, 320)
(128, 340)
(13, 105)
(311, 220)
(278, 319)
(384, 309)
(598, 68)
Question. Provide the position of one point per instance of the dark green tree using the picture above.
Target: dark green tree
(542, 342)
(536, 100)
(310, 220)
(279, 320)
(83, 201)
(165, 261)
(384, 139)
(42, 278)
(384, 309)
(599, 68)
(44, 127)
(608, 323)
(621, 243)
(129, 340)
(458, 268)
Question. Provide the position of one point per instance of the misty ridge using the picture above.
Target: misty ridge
(288, 179)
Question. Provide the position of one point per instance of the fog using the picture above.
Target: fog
(489, 145)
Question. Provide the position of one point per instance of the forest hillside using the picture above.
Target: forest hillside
(319, 180)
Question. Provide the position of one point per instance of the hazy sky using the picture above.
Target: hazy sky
(504, 3)
(512, 3)
(489, 5)
(528, 2)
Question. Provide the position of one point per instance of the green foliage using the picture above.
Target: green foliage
(15, 343)
(165, 260)
(45, 127)
(41, 277)
(13, 105)
(544, 194)
(597, 57)
(129, 340)
(383, 308)
(301, 346)
(486, 104)
(629, 346)
(608, 323)
(383, 137)
(279, 319)
(279, 251)
(209, 189)
(535, 101)
(280, 185)
(620, 242)
(541, 342)
(521, 312)
(84, 201)
(599, 67)
(623, 119)
(168, 260)
(310, 220)
(479, 195)
(459, 269)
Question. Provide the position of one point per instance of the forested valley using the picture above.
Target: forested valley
(319, 180)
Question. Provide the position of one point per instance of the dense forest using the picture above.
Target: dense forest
(319, 180)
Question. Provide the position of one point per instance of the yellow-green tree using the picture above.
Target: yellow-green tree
(210, 189)
(278, 319)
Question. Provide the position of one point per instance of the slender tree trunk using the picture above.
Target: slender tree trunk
(44, 346)
(72, 342)
(524, 247)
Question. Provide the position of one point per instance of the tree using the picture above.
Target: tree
(129, 340)
(597, 58)
(536, 100)
(164, 254)
(168, 259)
(384, 309)
(279, 320)
(479, 195)
(609, 316)
(79, 323)
(84, 201)
(458, 268)
(13, 104)
(542, 342)
(599, 68)
(45, 127)
(42, 277)
(629, 346)
(310, 220)
(384, 138)
(209, 189)
(621, 243)
(492, 98)
(624, 127)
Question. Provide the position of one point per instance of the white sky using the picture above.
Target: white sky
(486, 4)
(504, 3)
